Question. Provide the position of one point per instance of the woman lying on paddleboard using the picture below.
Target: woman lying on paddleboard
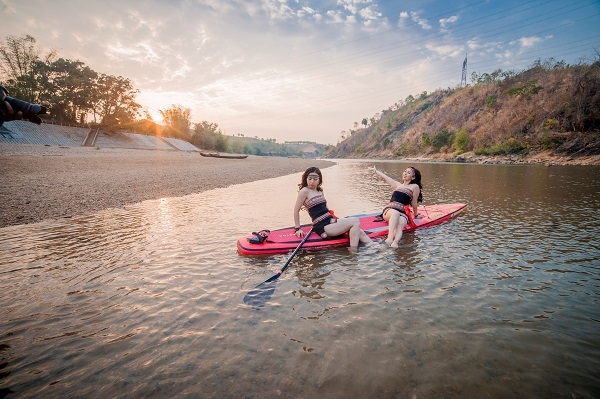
(311, 197)
(407, 192)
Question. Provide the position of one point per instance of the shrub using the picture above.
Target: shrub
(405, 149)
(510, 146)
(552, 141)
(461, 141)
(441, 139)
(525, 91)
(550, 124)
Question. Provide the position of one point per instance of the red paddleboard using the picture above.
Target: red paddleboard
(284, 240)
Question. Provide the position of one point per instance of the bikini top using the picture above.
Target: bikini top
(402, 195)
(316, 206)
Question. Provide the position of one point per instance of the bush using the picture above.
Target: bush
(552, 141)
(461, 141)
(441, 139)
(510, 146)
(550, 124)
(524, 92)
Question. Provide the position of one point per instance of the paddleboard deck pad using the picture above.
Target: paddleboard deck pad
(285, 240)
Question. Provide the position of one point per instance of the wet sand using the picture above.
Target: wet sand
(50, 182)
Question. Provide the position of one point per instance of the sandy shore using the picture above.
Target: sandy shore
(40, 182)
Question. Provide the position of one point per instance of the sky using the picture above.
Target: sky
(301, 70)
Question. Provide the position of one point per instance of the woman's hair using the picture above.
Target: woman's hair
(304, 183)
(417, 181)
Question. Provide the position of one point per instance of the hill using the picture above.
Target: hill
(551, 109)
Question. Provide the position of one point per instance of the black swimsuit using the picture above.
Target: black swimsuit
(317, 209)
(401, 197)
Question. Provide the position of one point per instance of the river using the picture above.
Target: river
(147, 300)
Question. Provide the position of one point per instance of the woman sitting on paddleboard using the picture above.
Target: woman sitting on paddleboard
(311, 197)
(407, 192)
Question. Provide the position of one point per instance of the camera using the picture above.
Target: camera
(29, 111)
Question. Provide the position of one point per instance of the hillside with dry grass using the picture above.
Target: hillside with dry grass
(551, 109)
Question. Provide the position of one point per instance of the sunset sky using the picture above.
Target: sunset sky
(301, 69)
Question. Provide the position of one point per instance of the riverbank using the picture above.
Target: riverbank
(50, 182)
(543, 158)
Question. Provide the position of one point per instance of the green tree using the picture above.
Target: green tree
(70, 88)
(177, 121)
(205, 135)
(18, 56)
(115, 98)
(222, 143)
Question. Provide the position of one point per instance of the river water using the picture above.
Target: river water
(147, 300)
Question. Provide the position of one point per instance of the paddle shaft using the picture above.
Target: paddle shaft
(291, 257)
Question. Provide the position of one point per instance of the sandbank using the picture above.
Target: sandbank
(51, 182)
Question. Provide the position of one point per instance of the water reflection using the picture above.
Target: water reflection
(146, 300)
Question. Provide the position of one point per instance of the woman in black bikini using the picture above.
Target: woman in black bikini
(407, 192)
(311, 197)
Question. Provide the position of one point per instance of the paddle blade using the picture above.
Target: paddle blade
(261, 294)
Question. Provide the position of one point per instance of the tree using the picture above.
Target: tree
(177, 121)
(365, 122)
(222, 143)
(205, 135)
(115, 98)
(70, 87)
(18, 56)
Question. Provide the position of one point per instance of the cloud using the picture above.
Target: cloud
(403, 18)
(335, 16)
(486, 47)
(304, 11)
(445, 50)
(444, 22)
(422, 22)
(525, 42)
(277, 10)
(370, 14)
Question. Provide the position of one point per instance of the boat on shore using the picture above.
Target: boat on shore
(223, 155)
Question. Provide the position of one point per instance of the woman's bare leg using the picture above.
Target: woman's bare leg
(349, 225)
(399, 230)
(364, 238)
(391, 216)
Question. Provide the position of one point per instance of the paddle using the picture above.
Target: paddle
(262, 292)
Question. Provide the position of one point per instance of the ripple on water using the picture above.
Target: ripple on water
(146, 300)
